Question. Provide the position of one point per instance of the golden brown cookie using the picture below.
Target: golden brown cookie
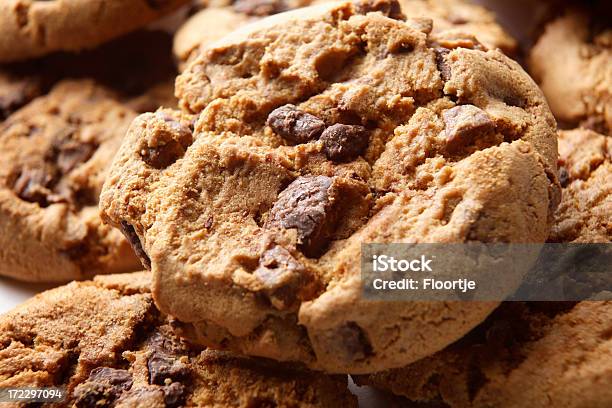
(572, 62)
(141, 75)
(30, 28)
(539, 354)
(54, 154)
(216, 21)
(585, 212)
(303, 136)
(105, 342)
(455, 16)
(525, 355)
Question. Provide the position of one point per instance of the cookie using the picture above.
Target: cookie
(585, 212)
(572, 62)
(455, 16)
(525, 355)
(34, 28)
(303, 136)
(54, 154)
(534, 354)
(214, 22)
(105, 342)
(142, 76)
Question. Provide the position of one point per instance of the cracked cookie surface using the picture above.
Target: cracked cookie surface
(303, 136)
(32, 28)
(572, 62)
(107, 344)
(55, 152)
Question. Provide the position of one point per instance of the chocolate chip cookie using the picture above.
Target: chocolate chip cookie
(303, 136)
(572, 62)
(525, 355)
(585, 212)
(455, 16)
(534, 354)
(105, 342)
(30, 28)
(54, 154)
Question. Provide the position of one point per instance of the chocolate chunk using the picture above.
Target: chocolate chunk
(344, 142)
(294, 125)
(164, 361)
(102, 388)
(174, 394)
(390, 9)
(564, 177)
(443, 67)
(172, 138)
(42, 182)
(71, 153)
(306, 205)
(34, 184)
(164, 343)
(260, 8)
(463, 124)
(354, 344)
(164, 366)
(282, 276)
(112, 376)
(130, 233)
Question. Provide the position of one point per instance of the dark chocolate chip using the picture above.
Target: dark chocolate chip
(173, 139)
(306, 205)
(130, 233)
(102, 388)
(164, 343)
(260, 8)
(282, 276)
(443, 67)
(354, 343)
(34, 184)
(71, 153)
(463, 124)
(174, 394)
(344, 142)
(391, 9)
(112, 376)
(164, 366)
(564, 177)
(294, 125)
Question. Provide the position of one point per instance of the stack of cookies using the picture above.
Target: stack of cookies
(204, 174)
